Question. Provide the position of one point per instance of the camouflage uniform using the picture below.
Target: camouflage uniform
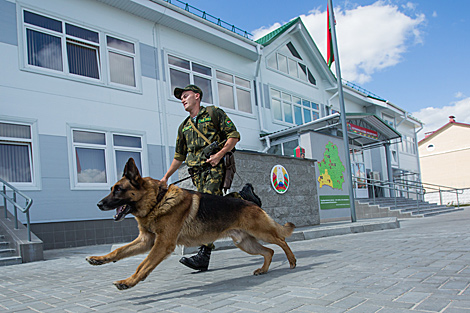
(189, 146)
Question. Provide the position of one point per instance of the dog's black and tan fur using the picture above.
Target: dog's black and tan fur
(170, 216)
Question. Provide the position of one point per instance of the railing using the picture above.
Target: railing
(434, 188)
(13, 200)
(392, 186)
(407, 187)
(210, 18)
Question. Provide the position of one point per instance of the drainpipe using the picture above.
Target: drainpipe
(268, 144)
(259, 94)
(161, 98)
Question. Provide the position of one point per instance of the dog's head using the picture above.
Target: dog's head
(125, 193)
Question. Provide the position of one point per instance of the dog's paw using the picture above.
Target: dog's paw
(121, 285)
(94, 261)
(259, 271)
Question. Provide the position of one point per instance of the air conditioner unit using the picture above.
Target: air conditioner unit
(375, 175)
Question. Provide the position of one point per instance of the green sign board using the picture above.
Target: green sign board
(334, 202)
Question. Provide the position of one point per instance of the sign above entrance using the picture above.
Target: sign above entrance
(279, 179)
(363, 131)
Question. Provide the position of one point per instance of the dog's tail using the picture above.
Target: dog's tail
(287, 229)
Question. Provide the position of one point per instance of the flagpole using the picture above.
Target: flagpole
(343, 110)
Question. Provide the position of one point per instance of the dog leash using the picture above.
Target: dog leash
(204, 169)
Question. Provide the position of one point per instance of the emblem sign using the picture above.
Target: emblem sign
(279, 179)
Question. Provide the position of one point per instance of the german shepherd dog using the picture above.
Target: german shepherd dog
(170, 216)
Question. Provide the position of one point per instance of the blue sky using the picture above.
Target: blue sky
(412, 53)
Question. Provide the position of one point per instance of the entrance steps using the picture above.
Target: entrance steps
(401, 208)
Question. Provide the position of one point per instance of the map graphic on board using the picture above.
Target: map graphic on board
(330, 168)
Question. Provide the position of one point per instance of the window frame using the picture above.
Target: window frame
(192, 73)
(109, 155)
(33, 145)
(214, 81)
(101, 48)
(292, 105)
(234, 86)
(274, 57)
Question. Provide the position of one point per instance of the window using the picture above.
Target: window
(288, 60)
(284, 148)
(184, 72)
(408, 145)
(292, 109)
(56, 46)
(95, 153)
(121, 56)
(16, 156)
(234, 92)
(389, 120)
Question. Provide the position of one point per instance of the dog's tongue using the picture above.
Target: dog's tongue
(119, 213)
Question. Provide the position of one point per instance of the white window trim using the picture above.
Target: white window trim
(276, 121)
(191, 73)
(306, 82)
(105, 79)
(214, 86)
(234, 87)
(110, 157)
(36, 183)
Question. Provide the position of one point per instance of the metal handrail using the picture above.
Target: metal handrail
(16, 206)
(404, 186)
(389, 185)
(437, 188)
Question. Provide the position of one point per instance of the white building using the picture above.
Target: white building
(87, 84)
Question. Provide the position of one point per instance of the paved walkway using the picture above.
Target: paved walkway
(423, 266)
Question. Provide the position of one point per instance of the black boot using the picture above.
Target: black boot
(200, 261)
(248, 193)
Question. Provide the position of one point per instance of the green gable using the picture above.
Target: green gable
(267, 39)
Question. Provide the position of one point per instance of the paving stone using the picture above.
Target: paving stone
(420, 267)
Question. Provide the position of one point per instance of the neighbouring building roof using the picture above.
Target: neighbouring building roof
(441, 130)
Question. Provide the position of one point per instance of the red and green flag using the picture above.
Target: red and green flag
(329, 41)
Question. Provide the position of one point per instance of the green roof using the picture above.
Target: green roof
(267, 39)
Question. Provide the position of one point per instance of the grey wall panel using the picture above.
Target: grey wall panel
(8, 33)
(54, 157)
(157, 163)
(148, 59)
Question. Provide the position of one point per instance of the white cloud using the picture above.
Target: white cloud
(435, 118)
(260, 32)
(370, 38)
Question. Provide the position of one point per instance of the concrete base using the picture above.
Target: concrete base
(29, 251)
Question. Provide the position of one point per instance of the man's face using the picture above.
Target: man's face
(190, 99)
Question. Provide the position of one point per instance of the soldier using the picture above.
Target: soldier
(208, 172)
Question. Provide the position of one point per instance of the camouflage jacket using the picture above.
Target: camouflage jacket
(189, 143)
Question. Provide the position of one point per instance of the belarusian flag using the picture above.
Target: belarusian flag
(329, 42)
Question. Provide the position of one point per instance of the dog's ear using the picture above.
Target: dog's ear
(132, 173)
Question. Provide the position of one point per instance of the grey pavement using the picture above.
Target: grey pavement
(423, 266)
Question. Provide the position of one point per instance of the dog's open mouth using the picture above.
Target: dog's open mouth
(121, 212)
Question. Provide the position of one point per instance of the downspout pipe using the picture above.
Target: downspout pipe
(259, 94)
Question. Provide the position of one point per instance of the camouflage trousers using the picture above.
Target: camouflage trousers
(210, 180)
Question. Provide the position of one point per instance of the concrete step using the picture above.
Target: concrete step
(6, 252)
(12, 260)
(422, 208)
(448, 210)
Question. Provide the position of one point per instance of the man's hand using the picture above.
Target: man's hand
(215, 159)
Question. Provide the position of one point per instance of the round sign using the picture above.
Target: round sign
(279, 179)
